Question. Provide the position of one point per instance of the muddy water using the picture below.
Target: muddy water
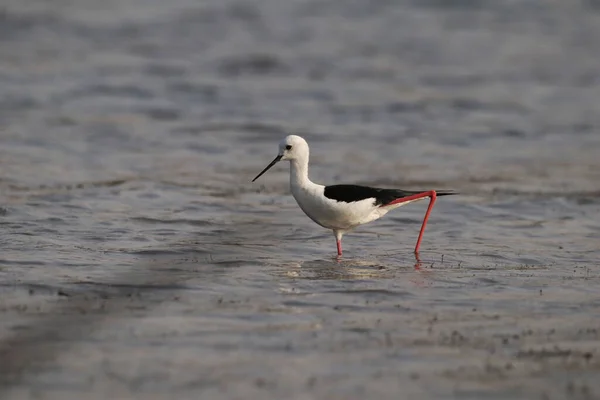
(138, 261)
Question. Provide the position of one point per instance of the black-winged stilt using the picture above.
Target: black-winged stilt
(342, 208)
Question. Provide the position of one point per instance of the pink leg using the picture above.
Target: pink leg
(432, 195)
(338, 240)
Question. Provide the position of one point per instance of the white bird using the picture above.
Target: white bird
(342, 208)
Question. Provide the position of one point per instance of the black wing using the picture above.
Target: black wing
(352, 193)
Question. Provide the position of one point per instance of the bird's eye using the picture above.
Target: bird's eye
(288, 147)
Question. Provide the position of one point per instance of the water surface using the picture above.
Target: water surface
(138, 261)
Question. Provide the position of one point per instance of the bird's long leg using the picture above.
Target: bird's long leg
(432, 196)
(338, 241)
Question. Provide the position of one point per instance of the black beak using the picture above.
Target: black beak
(275, 161)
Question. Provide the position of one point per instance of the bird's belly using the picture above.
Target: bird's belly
(331, 218)
(337, 215)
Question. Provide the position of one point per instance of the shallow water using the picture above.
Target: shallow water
(138, 261)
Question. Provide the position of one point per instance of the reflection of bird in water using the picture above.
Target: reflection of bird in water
(342, 208)
(418, 262)
(326, 269)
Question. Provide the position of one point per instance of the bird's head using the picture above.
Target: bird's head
(291, 148)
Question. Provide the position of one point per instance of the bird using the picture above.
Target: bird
(342, 208)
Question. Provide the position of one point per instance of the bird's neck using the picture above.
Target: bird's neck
(299, 172)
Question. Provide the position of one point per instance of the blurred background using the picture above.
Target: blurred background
(138, 261)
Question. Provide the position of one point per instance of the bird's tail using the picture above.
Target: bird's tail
(408, 196)
(445, 192)
(406, 193)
